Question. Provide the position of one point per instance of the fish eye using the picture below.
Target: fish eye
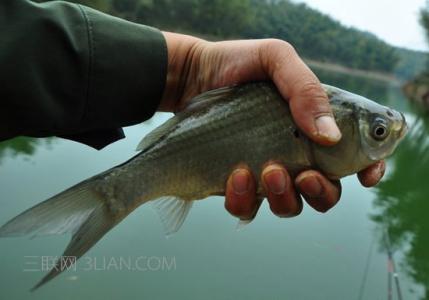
(379, 131)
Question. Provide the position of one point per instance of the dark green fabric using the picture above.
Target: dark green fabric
(68, 70)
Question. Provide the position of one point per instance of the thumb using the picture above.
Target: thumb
(311, 111)
(308, 101)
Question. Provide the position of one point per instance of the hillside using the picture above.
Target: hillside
(410, 64)
(316, 36)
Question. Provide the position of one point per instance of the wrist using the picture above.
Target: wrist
(183, 54)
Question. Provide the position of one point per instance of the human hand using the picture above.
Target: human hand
(195, 66)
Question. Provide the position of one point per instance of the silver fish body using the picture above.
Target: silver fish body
(191, 155)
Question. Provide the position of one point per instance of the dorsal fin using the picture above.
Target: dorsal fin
(209, 97)
(194, 105)
(159, 132)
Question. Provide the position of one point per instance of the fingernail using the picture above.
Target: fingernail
(326, 127)
(240, 181)
(276, 181)
(310, 186)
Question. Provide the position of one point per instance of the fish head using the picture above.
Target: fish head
(381, 129)
(370, 131)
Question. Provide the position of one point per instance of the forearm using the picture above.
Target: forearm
(68, 69)
(183, 52)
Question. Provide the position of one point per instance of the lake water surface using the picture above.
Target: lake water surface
(338, 255)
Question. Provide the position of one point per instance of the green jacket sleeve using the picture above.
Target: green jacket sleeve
(71, 71)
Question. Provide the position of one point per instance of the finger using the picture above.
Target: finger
(373, 174)
(308, 101)
(319, 192)
(280, 191)
(240, 195)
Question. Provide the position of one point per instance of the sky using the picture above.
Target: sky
(394, 21)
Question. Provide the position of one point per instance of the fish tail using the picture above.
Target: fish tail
(79, 210)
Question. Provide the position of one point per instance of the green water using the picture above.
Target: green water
(313, 256)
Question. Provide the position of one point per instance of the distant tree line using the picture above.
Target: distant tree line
(313, 34)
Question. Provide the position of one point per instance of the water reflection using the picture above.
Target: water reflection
(402, 200)
(402, 203)
(376, 90)
(385, 93)
(22, 146)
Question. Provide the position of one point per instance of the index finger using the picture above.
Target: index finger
(308, 101)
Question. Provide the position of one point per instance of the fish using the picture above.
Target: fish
(191, 155)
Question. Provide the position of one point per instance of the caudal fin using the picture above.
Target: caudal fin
(78, 210)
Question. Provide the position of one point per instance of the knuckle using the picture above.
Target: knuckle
(279, 47)
(282, 45)
(275, 54)
(312, 92)
(312, 89)
(275, 42)
(289, 49)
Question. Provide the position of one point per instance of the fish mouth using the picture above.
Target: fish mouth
(404, 128)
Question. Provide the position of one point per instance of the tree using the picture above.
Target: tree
(424, 19)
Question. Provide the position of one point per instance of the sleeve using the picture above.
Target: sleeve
(71, 71)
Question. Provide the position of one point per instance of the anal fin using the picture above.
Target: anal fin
(172, 212)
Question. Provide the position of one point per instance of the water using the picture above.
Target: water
(313, 256)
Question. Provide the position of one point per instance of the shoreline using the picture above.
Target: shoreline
(332, 67)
